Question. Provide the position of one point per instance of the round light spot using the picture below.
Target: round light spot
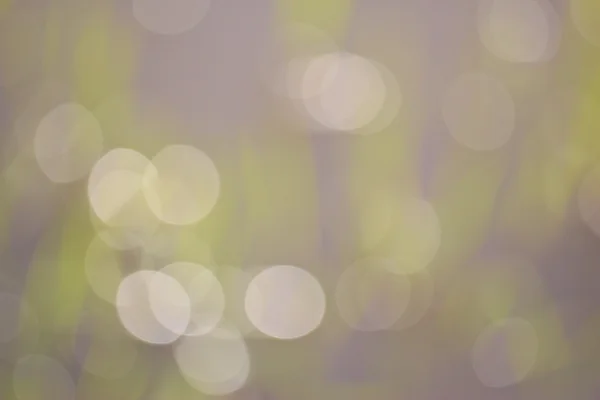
(207, 301)
(505, 352)
(219, 357)
(285, 302)
(68, 141)
(137, 312)
(369, 297)
(586, 17)
(350, 91)
(414, 237)
(516, 31)
(170, 17)
(222, 388)
(21, 45)
(169, 302)
(588, 198)
(298, 44)
(479, 112)
(103, 270)
(182, 186)
(40, 377)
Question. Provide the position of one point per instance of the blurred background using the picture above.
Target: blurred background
(299, 199)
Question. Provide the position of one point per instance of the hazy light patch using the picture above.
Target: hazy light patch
(414, 237)
(169, 302)
(205, 293)
(110, 354)
(67, 143)
(115, 191)
(12, 311)
(369, 297)
(479, 112)
(517, 31)
(136, 310)
(182, 185)
(103, 270)
(285, 302)
(350, 91)
(172, 17)
(215, 363)
(422, 291)
(38, 377)
(586, 18)
(21, 44)
(588, 198)
(505, 352)
(235, 282)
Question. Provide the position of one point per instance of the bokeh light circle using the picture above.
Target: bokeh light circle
(67, 143)
(422, 291)
(205, 293)
(137, 311)
(182, 185)
(479, 112)
(38, 377)
(343, 91)
(505, 352)
(219, 357)
(169, 302)
(517, 31)
(285, 302)
(171, 17)
(369, 297)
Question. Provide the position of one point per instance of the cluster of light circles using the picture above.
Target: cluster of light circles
(185, 303)
(519, 31)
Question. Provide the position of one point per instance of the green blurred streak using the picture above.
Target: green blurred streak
(330, 16)
(104, 57)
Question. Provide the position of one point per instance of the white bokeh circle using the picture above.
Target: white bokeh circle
(285, 302)
(181, 185)
(137, 312)
(67, 142)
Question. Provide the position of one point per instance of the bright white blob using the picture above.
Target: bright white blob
(505, 352)
(517, 31)
(369, 297)
(285, 302)
(38, 377)
(479, 112)
(343, 91)
(67, 142)
(171, 17)
(182, 185)
(142, 296)
(207, 301)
